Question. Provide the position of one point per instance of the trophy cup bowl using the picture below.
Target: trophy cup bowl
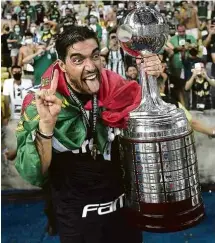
(157, 147)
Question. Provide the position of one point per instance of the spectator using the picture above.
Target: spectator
(9, 21)
(175, 21)
(195, 124)
(213, 75)
(14, 91)
(111, 18)
(189, 18)
(40, 12)
(49, 30)
(202, 9)
(132, 73)
(181, 43)
(208, 41)
(93, 21)
(14, 43)
(7, 9)
(213, 60)
(54, 13)
(35, 32)
(115, 54)
(31, 12)
(23, 18)
(41, 60)
(200, 84)
(5, 51)
(189, 61)
(66, 8)
(27, 49)
(103, 61)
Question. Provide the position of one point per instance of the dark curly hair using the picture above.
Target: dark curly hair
(72, 35)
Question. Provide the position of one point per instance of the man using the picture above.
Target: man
(23, 18)
(35, 32)
(189, 17)
(5, 57)
(181, 43)
(14, 43)
(132, 73)
(40, 12)
(213, 74)
(94, 25)
(200, 84)
(115, 54)
(31, 12)
(196, 125)
(28, 49)
(49, 30)
(14, 91)
(208, 41)
(78, 108)
(54, 13)
(103, 61)
(41, 59)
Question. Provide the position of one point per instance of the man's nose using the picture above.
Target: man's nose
(89, 65)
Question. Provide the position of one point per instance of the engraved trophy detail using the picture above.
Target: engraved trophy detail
(157, 147)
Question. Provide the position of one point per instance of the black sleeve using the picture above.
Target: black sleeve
(213, 48)
(204, 37)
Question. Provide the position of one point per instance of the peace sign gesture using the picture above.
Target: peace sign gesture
(48, 105)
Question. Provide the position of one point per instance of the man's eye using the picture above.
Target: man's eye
(77, 61)
(96, 56)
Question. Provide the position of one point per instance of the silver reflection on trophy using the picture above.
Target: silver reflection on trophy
(157, 148)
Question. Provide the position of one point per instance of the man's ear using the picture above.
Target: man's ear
(62, 66)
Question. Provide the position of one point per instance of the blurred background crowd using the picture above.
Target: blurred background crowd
(28, 33)
(29, 29)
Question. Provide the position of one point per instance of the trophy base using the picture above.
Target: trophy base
(171, 220)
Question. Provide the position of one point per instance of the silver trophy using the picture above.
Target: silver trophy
(157, 148)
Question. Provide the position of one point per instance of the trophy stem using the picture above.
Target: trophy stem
(151, 102)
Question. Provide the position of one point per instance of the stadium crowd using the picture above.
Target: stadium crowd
(28, 36)
(29, 30)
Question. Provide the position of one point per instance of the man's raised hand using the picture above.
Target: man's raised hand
(48, 105)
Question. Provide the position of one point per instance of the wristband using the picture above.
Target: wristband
(44, 135)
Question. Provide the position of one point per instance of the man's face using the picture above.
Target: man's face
(103, 61)
(113, 39)
(132, 73)
(185, 5)
(28, 39)
(176, 13)
(181, 31)
(16, 70)
(67, 11)
(33, 28)
(46, 27)
(83, 66)
(41, 47)
(200, 69)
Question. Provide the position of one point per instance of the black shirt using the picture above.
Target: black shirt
(4, 44)
(209, 47)
(213, 64)
(40, 12)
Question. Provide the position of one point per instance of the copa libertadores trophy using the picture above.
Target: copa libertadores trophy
(157, 148)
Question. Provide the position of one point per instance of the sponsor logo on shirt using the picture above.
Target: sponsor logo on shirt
(104, 208)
